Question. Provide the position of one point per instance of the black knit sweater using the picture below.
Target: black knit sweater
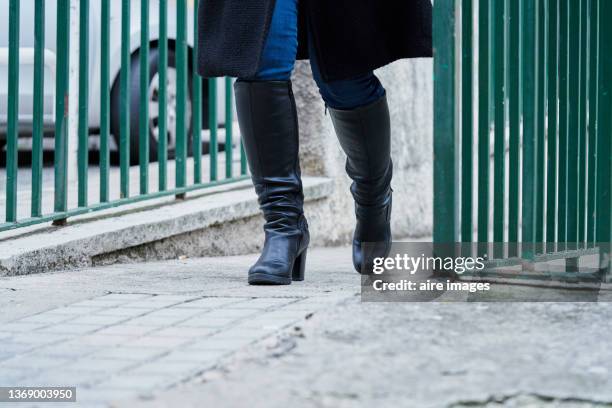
(350, 36)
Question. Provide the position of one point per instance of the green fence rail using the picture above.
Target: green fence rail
(195, 110)
(523, 128)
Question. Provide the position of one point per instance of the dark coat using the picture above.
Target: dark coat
(350, 37)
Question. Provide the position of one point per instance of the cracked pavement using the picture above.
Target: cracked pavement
(311, 344)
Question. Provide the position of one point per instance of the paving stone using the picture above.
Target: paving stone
(243, 332)
(154, 321)
(223, 344)
(321, 301)
(21, 326)
(122, 311)
(11, 375)
(37, 339)
(137, 382)
(5, 355)
(211, 302)
(16, 348)
(270, 322)
(131, 353)
(262, 303)
(48, 318)
(101, 397)
(301, 307)
(281, 314)
(176, 312)
(100, 303)
(34, 363)
(204, 321)
(75, 310)
(152, 303)
(176, 298)
(176, 369)
(94, 364)
(208, 356)
(158, 342)
(101, 340)
(69, 328)
(125, 296)
(98, 319)
(67, 378)
(230, 313)
(65, 350)
(125, 330)
(184, 332)
(6, 335)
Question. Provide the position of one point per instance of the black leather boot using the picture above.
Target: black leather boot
(269, 129)
(365, 137)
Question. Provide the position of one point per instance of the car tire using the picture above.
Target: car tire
(152, 100)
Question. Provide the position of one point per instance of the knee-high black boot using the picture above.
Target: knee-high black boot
(365, 137)
(268, 125)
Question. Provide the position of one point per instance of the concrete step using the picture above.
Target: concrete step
(96, 236)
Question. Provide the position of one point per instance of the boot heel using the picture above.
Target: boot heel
(299, 266)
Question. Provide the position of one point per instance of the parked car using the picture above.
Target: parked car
(27, 59)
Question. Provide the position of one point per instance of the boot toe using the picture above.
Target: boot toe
(266, 274)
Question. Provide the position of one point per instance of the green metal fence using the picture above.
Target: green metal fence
(523, 125)
(202, 177)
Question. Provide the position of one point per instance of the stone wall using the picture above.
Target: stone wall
(409, 88)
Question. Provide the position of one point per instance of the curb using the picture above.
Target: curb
(74, 245)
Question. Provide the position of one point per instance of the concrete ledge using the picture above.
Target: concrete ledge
(78, 243)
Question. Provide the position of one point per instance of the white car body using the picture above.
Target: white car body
(26, 71)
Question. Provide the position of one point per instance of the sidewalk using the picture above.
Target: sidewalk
(191, 333)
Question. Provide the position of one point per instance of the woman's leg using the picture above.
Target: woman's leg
(360, 114)
(349, 93)
(278, 56)
(268, 123)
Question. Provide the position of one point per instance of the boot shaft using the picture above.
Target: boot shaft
(365, 136)
(269, 129)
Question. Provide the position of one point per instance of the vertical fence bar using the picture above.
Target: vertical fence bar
(104, 99)
(13, 113)
(604, 135)
(162, 124)
(499, 119)
(124, 96)
(196, 110)
(38, 107)
(540, 124)
(514, 119)
(83, 145)
(212, 124)
(143, 114)
(552, 57)
(484, 126)
(181, 94)
(467, 123)
(229, 129)
(61, 107)
(530, 112)
(572, 122)
(582, 124)
(593, 89)
(563, 108)
(445, 194)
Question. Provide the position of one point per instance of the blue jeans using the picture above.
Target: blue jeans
(278, 60)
